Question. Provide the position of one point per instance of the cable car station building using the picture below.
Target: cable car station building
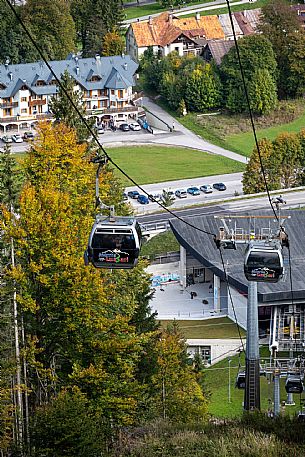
(281, 313)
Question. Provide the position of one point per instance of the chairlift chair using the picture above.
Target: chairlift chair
(264, 263)
(294, 384)
(114, 243)
(240, 382)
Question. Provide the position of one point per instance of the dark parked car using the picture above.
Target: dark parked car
(28, 136)
(193, 191)
(143, 199)
(219, 186)
(133, 194)
(124, 127)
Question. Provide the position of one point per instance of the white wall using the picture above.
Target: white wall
(220, 348)
(240, 306)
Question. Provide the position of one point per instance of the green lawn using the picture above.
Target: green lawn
(154, 8)
(217, 382)
(209, 328)
(152, 164)
(244, 142)
(224, 10)
(159, 244)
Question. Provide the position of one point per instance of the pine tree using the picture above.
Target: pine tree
(64, 112)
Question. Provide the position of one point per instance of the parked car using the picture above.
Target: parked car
(100, 129)
(28, 136)
(207, 189)
(193, 191)
(143, 199)
(155, 197)
(181, 193)
(124, 127)
(134, 126)
(133, 194)
(17, 138)
(219, 186)
(7, 139)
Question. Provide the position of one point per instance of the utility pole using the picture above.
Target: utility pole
(252, 389)
(277, 397)
(229, 386)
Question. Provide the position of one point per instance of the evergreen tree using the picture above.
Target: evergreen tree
(52, 25)
(64, 112)
(94, 19)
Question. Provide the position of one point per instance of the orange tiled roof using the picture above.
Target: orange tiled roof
(165, 28)
(212, 27)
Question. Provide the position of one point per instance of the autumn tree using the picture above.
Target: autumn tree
(177, 394)
(253, 180)
(112, 44)
(52, 25)
(287, 148)
(64, 112)
(9, 192)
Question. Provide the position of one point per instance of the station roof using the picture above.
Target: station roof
(202, 247)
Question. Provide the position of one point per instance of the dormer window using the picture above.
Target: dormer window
(95, 78)
(40, 82)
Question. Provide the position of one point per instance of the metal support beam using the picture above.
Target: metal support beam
(252, 389)
(277, 407)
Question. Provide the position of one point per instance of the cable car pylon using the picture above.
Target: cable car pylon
(263, 262)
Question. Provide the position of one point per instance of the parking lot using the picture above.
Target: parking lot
(232, 182)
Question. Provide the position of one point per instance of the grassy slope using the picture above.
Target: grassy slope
(209, 328)
(159, 244)
(151, 164)
(244, 142)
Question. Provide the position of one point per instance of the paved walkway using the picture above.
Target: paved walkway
(185, 137)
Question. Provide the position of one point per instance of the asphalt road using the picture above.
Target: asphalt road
(293, 199)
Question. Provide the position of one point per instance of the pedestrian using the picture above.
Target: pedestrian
(173, 125)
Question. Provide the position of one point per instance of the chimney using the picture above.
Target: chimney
(125, 66)
(170, 18)
(197, 16)
(97, 57)
(77, 70)
(7, 61)
(150, 20)
(10, 75)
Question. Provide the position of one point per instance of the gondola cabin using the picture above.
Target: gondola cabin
(114, 243)
(240, 382)
(294, 384)
(263, 263)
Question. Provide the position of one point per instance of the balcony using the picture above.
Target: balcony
(37, 102)
(8, 105)
(25, 118)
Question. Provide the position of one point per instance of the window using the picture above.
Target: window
(24, 110)
(121, 93)
(112, 92)
(23, 99)
(205, 353)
